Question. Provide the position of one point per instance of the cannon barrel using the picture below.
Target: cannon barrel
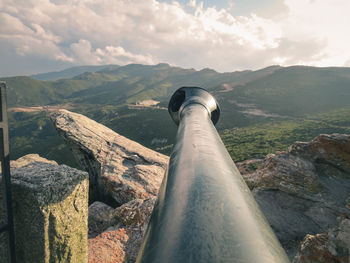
(205, 212)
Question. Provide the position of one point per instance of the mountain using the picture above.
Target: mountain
(291, 91)
(297, 90)
(126, 84)
(261, 111)
(71, 72)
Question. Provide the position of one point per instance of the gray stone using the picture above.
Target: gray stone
(119, 169)
(100, 218)
(121, 242)
(135, 213)
(29, 158)
(50, 212)
(304, 190)
(332, 246)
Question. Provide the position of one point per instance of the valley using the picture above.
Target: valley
(262, 111)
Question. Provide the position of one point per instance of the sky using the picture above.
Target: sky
(225, 35)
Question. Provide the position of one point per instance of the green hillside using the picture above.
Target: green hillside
(71, 72)
(34, 133)
(256, 141)
(261, 111)
(296, 91)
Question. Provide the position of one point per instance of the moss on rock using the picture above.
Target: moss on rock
(51, 211)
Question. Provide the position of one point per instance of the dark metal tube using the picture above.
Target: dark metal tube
(205, 212)
(6, 175)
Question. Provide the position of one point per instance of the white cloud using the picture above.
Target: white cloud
(83, 52)
(30, 38)
(109, 31)
(324, 21)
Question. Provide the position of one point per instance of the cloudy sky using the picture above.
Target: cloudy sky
(226, 35)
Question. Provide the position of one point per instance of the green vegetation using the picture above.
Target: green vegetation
(259, 140)
(296, 91)
(34, 133)
(261, 111)
(72, 72)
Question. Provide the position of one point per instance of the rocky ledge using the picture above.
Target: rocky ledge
(124, 181)
(305, 195)
(120, 170)
(303, 192)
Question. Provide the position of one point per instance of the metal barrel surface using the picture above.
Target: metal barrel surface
(205, 212)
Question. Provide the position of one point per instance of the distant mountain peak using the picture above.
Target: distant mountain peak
(162, 65)
(208, 70)
(72, 72)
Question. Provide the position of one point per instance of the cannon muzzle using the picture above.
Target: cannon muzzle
(205, 212)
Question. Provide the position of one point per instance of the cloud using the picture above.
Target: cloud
(83, 52)
(322, 20)
(121, 32)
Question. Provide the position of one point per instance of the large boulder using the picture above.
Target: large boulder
(120, 170)
(304, 190)
(50, 204)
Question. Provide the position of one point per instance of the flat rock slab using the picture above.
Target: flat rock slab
(120, 169)
(29, 158)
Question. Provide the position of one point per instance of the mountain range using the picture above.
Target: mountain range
(261, 111)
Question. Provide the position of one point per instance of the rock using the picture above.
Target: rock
(122, 241)
(332, 246)
(331, 150)
(100, 218)
(249, 166)
(304, 190)
(301, 191)
(135, 213)
(50, 213)
(27, 159)
(108, 247)
(135, 217)
(3, 215)
(120, 170)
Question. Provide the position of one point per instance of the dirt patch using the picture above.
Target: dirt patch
(41, 108)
